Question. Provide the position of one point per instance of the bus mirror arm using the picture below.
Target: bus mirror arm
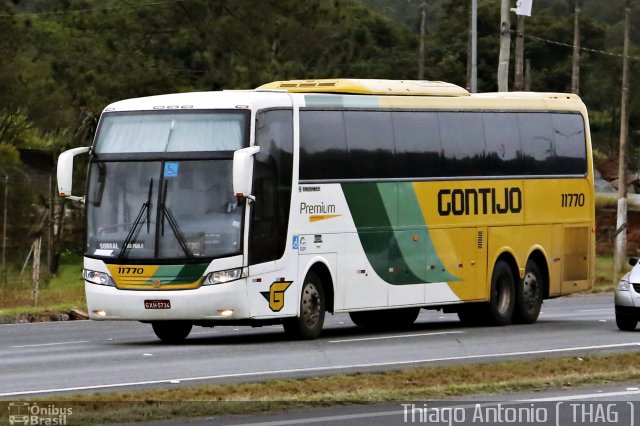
(65, 172)
(243, 172)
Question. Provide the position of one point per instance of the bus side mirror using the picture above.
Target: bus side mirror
(243, 171)
(633, 261)
(65, 172)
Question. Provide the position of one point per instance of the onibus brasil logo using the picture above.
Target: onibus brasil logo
(26, 413)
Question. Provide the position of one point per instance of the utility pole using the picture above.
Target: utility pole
(575, 62)
(505, 45)
(621, 223)
(423, 14)
(474, 46)
(518, 83)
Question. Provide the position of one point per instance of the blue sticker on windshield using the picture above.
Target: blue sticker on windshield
(170, 169)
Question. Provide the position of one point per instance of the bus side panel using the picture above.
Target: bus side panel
(363, 288)
(576, 259)
(555, 260)
(272, 287)
(463, 253)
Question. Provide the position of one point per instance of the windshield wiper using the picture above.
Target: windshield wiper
(174, 225)
(145, 208)
(176, 231)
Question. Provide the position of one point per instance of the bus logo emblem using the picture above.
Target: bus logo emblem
(275, 295)
(156, 283)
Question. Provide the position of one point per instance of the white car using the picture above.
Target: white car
(627, 298)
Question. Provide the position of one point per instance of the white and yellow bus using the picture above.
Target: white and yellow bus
(373, 197)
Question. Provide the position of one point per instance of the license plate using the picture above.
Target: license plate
(157, 304)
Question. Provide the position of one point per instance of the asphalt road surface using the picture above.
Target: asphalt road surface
(87, 356)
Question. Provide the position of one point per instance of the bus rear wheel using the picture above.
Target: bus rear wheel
(312, 307)
(172, 331)
(529, 295)
(502, 298)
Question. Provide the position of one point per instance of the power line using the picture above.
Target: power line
(558, 43)
(69, 12)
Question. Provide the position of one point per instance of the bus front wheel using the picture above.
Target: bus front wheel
(172, 331)
(312, 307)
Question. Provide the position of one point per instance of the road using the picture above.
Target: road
(86, 356)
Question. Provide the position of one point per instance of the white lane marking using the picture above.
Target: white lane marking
(51, 344)
(398, 336)
(316, 369)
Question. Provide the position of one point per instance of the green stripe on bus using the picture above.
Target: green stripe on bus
(180, 274)
(393, 233)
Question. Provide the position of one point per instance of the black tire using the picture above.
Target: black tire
(172, 331)
(386, 318)
(503, 295)
(626, 322)
(312, 308)
(529, 294)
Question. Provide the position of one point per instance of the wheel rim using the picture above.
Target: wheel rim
(311, 305)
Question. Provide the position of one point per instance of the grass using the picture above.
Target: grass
(416, 384)
(63, 292)
(604, 275)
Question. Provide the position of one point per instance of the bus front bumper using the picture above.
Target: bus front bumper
(216, 302)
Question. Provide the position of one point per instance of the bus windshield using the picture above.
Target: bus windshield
(162, 210)
(175, 203)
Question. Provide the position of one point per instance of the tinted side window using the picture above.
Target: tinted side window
(323, 145)
(538, 143)
(502, 138)
(571, 147)
(370, 143)
(343, 145)
(418, 148)
(273, 171)
(462, 137)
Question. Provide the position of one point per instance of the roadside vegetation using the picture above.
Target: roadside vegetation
(60, 293)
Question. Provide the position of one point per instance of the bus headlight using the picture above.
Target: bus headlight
(96, 277)
(225, 276)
